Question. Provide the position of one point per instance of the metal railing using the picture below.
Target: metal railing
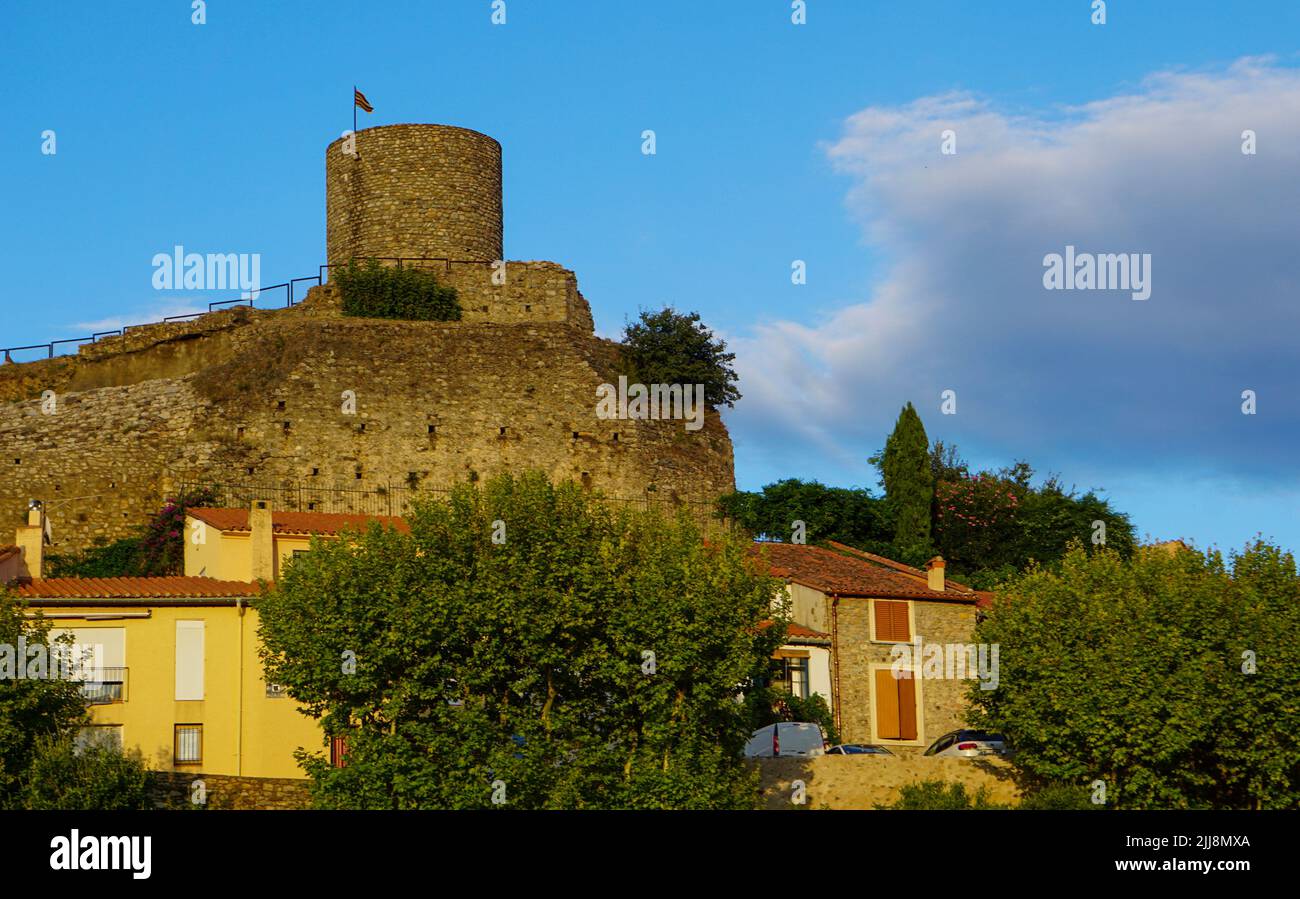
(289, 287)
(290, 299)
(107, 685)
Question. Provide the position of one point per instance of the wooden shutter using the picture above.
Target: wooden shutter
(895, 705)
(887, 723)
(892, 620)
(906, 706)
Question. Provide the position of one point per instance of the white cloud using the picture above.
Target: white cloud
(1087, 375)
(164, 309)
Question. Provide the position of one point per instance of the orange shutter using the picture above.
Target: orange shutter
(887, 723)
(891, 621)
(906, 706)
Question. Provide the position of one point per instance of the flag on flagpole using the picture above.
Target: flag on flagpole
(360, 100)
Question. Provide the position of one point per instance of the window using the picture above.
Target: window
(189, 660)
(189, 744)
(793, 672)
(895, 711)
(96, 658)
(339, 752)
(891, 620)
(106, 735)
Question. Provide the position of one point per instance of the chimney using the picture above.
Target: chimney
(261, 542)
(31, 540)
(934, 573)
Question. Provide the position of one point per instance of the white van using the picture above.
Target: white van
(788, 739)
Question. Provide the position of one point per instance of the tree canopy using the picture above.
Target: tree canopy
(667, 347)
(1169, 677)
(525, 646)
(909, 486)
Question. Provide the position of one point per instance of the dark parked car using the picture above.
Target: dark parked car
(857, 749)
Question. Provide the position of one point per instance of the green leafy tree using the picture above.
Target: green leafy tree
(30, 708)
(1052, 516)
(991, 524)
(769, 705)
(976, 523)
(528, 643)
(1168, 676)
(909, 485)
(844, 514)
(96, 776)
(667, 347)
(372, 290)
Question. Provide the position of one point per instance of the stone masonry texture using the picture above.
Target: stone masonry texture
(257, 397)
(943, 700)
(414, 191)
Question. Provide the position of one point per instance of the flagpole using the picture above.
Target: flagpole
(354, 109)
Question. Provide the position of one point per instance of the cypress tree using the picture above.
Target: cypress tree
(909, 486)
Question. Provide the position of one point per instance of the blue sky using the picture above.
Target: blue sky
(776, 142)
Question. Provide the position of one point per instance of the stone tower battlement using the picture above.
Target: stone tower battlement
(319, 405)
(431, 191)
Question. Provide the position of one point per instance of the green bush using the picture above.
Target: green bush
(1058, 797)
(95, 777)
(938, 795)
(667, 347)
(379, 291)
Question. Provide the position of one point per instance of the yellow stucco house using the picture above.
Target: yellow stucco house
(176, 671)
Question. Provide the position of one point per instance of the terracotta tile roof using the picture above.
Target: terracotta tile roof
(133, 588)
(897, 566)
(853, 575)
(797, 631)
(8, 551)
(328, 523)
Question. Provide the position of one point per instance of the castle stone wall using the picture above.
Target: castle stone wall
(257, 397)
(414, 191)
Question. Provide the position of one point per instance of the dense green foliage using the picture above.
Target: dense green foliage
(120, 558)
(373, 290)
(667, 347)
(158, 549)
(932, 795)
(1168, 676)
(987, 525)
(909, 486)
(768, 705)
(847, 515)
(522, 663)
(1059, 798)
(31, 709)
(96, 776)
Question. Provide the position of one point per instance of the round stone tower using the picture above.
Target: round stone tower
(430, 191)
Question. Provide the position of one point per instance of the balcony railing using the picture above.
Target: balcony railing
(104, 685)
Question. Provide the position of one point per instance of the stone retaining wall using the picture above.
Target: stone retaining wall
(864, 782)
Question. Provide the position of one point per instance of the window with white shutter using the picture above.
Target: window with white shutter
(189, 660)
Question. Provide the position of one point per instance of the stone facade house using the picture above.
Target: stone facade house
(900, 653)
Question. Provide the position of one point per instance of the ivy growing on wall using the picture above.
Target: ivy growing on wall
(371, 290)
